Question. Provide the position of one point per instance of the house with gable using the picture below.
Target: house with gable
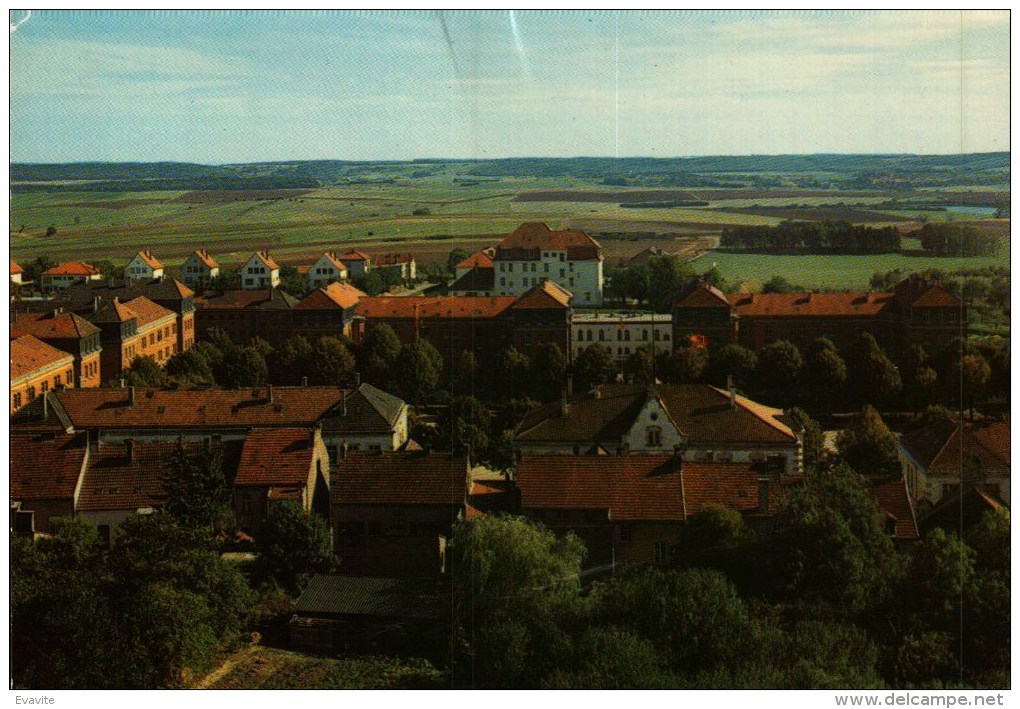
(70, 333)
(36, 368)
(67, 274)
(533, 252)
(328, 311)
(136, 328)
(144, 267)
(326, 270)
(199, 269)
(402, 264)
(46, 474)
(356, 262)
(16, 274)
(260, 272)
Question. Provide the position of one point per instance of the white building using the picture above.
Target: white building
(356, 262)
(16, 272)
(532, 252)
(621, 333)
(401, 263)
(143, 267)
(199, 269)
(260, 272)
(326, 270)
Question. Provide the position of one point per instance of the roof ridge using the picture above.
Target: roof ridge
(746, 405)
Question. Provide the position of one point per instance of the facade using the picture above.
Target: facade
(16, 274)
(917, 311)
(533, 252)
(356, 262)
(144, 267)
(329, 311)
(67, 332)
(621, 333)
(393, 512)
(137, 328)
(326, 270)
(278, 465)
(698, 422)
(403, 264)
(199, 269)
(260, 272)
(480, 259)
(67, 274)
(245, 314)
(942, 459)
(46, 475)
(37, 368)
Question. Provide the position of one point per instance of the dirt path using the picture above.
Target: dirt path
(228, 664)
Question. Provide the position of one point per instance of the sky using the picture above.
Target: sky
(235, 86)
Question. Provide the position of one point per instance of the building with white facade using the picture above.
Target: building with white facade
(356, 262)
(260, 272)
(326, 270)
(199, 269)
(143, 267)
(621, 333)
(533, 252)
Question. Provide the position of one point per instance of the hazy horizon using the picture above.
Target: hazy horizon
(220, 88)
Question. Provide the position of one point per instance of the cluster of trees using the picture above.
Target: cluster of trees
(947, 239)
(655, 282)
(824, 602)
(827, 237)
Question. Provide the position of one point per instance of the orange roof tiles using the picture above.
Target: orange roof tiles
(278, 457)
(72, 268)
(29, 355)
(263, 256)
(271, 298)
(203, 256)
(114, 311)
(705, 296)
(148, 312)
(49, 326)
(355, 255)
(342, 295)
(894, 503)
(809, 304)
(732, 485)
(400, 479)
(125, 476)
(393, 259)
(334, 260)
(479, 259)
(442, 306)
(533, 237)
(936, 297)
(45, 467)
(15, 268)
(150, 260)
(946, 447)
(545, 295)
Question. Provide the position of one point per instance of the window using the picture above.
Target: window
(502, 281)
(56, 380)
(661, 553)
(655, 335)
(644, 335)
(626, 335)
(587, 295)
(589, 336)
(653, 436)
(563, 273)
(16, 400)
(547, 268)
(580, 336)
(501, 267)
(561, 257)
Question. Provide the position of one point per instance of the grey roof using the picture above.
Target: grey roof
(368, 410)
(422, 599)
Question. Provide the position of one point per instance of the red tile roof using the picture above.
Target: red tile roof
(203, 256)
(128, 476)
(29, 355)
(946, 447)
(545, 295)
(49, 326)
(705, 296)
(263, 256)
(114, 311)
(936, 297)
(393, 259)
(355, 255)
(282, 457)
(479, 259)
(271, 298)
(894, 503)
(15, 268)
(400, 479)
(335, 295)
(72, 268)
(442, 306)
(217, 408)
(150, 260)
(732, 485)
(531, 237)
(809, 304)
(334, 261)
(148, 312)
(45, 467)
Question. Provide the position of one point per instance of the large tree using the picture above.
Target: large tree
(380, 348)
(197, 490)
(813, 436)
(294, 546)
(511, 374)
(823, 374)
(871, 375)
(291, 361)
(241, 367)
(548, 372)
(731, 360)
(333, 363)
(418, 371)
(868, 446)
(594, 365)
(779, 366)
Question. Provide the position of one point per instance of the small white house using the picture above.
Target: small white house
(326, 270)
(16, 272)
(260, 272)
(356, 262)
(199, 269)
(144, 267)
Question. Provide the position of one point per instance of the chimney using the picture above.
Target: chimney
(343, 450)
(129, 446)
(304, 381)
(343, 405)
(733, 392)
(763, 494)
(269, 393)
(131, 395)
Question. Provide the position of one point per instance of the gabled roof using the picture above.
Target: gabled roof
(45, 467)
(393, 259)
(732, 485)
(49, 326)
(421, 599)
(277, 457)
(894, 503)
(366, 410)
(334, 295)
(920, 290)
(269, 299)
(479, 259)
(704, 296)
(475, 280)
(29, 354)
(90, 409)
(203, 256)
(157, 290)
(947, 448)
(809, 304)
(263, 256)
(355, 255)
(702, 413)
(442, 306)
(15, 268)
(545, 295)
(400, 479)
(532, 236)
(128, 476)
(146, 311)
(149, 260)
(72, 268)
(387, 406)
(936, 297)
(113, 311)
(333, 260)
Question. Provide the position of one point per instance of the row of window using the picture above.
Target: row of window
(621, 335)
(257, 269)
(533, 267)
(59, 380)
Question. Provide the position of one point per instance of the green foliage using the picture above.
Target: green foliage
(824, 237)
(779, 366)
(593, 365)
(685, 365)
(190, 367)
(946, 239)
(732, 360)
(814, 438)
(294, 546)
(548, 372)
(464, 377)
(332, 363)
(197, 490)
(613, 658)
(511, 374)
(380, 348)
(713, 526)
(468, 426)
(872, 375)
(419, 370)
(869, 447)
(144, 372)
(291, 361)
(666, 276)
(823, 374)
(34, 270)
(241, 367)
(639, 367)
(778, 284)
(455, 257)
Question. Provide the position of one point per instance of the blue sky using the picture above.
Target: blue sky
(242, 87)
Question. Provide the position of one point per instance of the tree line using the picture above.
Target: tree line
(825, 237)
(948, 239)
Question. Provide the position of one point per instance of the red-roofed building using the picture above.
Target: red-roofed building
(897, 511)
(278, 465)
(326, 270)
(918, 310)
(68, 332)
(144, 267)
(37, 368)
(629, 509)
(260, 272)
(401, 263)
(356, 262)
(533, 252)
(199, 269)
(137, 328)
(480, 260)
(328, 311)
(46, 474)
(245, 314)
(68, 274)
(16, 273)
(393, 512)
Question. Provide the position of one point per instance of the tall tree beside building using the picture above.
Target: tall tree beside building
(380, 348)
(594, 365)
(869, 447)
(293, 547)
(814, 438)
(511, 374)
(779, 366)
(197, 490)
(872, 376)
(332, 363)
(419, 370)
(548, 372)
(732, 360)
(242, 367)
(291, 361)
(823, 375)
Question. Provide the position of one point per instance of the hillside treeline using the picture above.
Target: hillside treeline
(957, 240)
(828, 237)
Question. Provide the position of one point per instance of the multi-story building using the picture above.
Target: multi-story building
(260, 272)
(621, 333)
(137, 328)
(143, 267)
(329, 311)
(46, 470)
(68, 332)
(37, 368)
(699, 422)
(356, 262)
(533, 252)
(199, 269)
(475, 275)
(917, 311)
(326, 270)
(402, 264)
(244, 314)
(67, 274)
